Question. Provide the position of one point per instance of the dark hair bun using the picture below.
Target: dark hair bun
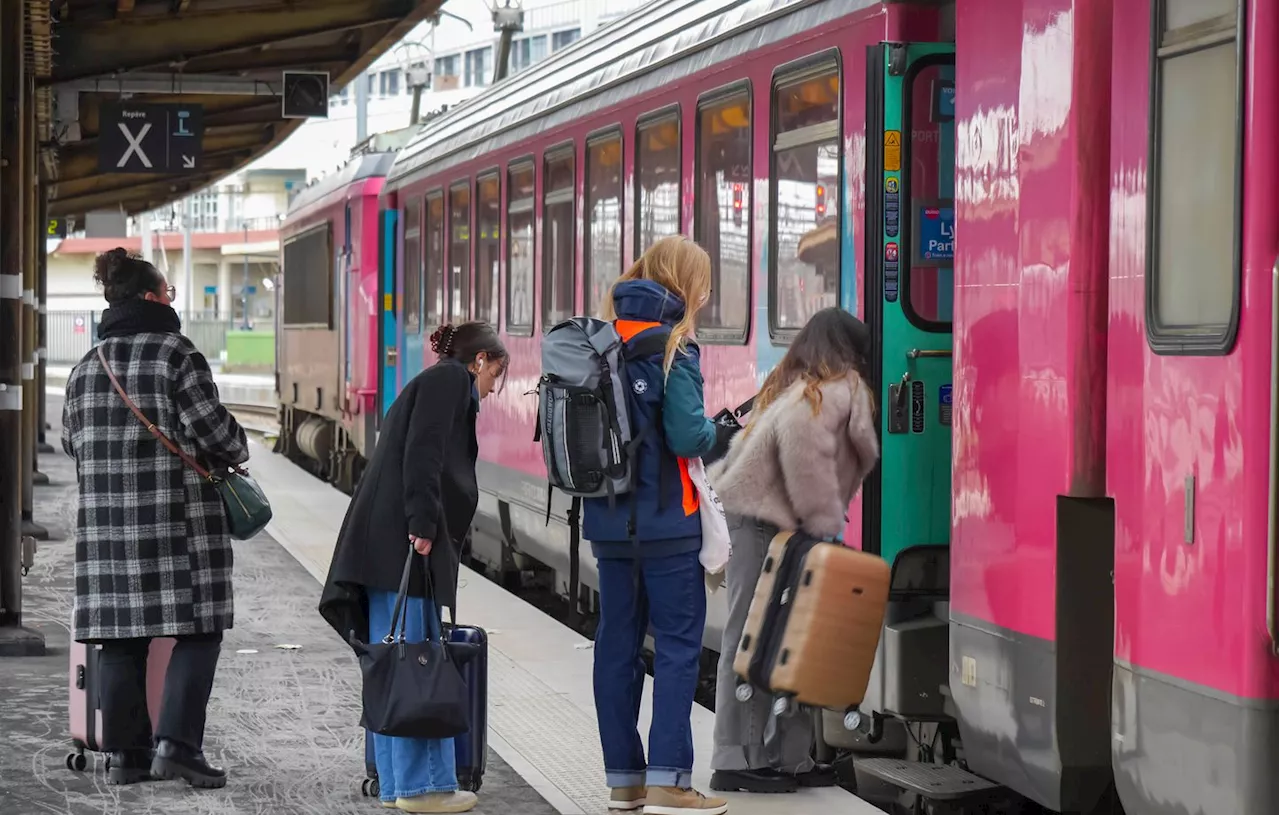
(442, 340)
(124, 276)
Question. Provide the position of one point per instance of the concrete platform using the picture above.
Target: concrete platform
(284, 722)
(541, 702)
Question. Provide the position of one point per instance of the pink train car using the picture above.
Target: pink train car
(1059, 220)
(327, 360)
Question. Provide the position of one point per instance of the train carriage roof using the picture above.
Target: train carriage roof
(641, 52)
(367, 165)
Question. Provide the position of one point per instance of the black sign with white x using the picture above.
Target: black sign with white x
(146, 138)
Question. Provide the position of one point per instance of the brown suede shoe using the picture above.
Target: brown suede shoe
(676, 801)
(627, 799)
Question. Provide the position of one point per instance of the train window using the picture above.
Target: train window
(604, 218)
(434, 257)
(459, 288)
(520, 249)
(488, 209)
(722, 211)
(929, 228)
(412, 267)
(557, 237)
(804, 264)
(308, 279)
(1194, 176)
(657, 179)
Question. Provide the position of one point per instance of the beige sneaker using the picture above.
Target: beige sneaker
(676, 801)
(389, 805)
(438, 802)
(627, 799)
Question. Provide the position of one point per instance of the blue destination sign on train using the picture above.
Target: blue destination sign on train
(944, 101)
(935, 233)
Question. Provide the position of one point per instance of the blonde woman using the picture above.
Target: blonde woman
(646, 543)
(797, 465)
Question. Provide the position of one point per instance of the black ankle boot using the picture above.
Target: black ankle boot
(175, 760)
(129, 767)
(752, 781)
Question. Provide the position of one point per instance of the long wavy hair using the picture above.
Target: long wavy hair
(683, 268)
(832, 345)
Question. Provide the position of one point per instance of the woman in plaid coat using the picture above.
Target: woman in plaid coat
(153, 551)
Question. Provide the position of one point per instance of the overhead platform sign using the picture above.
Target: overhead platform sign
(150, 138)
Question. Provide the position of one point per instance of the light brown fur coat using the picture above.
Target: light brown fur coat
(798, 470)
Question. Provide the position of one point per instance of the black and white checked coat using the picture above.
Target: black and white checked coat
(153, 553)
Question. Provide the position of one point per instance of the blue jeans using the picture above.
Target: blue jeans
(671, 597)
(410, 767)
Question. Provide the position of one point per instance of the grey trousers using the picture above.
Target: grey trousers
(739, 734)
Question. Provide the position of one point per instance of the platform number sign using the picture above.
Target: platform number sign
(56, 228)
(150, 138)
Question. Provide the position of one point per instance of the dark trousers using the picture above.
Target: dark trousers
(670, 598)
(126, 723)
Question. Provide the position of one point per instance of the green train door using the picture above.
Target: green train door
(910, 246)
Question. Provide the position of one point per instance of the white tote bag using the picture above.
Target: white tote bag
(715, 529)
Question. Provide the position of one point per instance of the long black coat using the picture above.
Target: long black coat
(421, 481)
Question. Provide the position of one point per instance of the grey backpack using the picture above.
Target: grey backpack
(588, 442)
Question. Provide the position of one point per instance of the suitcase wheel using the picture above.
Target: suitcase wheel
(744, 692)
(370, 788)
(77, 762)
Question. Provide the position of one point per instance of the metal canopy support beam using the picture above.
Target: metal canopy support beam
(42, 326)
(93, 49)
(30, 231)
(174, 84)
(15, 639)
(277, 59)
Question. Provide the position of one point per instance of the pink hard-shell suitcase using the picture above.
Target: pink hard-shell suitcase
(85, 711)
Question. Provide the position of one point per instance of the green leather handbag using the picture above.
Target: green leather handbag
(248, 511)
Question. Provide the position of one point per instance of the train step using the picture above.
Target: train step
(943, 782)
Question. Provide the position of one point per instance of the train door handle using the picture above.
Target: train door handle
(929, 353)
(393, 356)
(898, 401)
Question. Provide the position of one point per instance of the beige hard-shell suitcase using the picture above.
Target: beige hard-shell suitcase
(814, 622)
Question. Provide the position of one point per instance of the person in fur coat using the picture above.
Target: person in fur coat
(809, 444)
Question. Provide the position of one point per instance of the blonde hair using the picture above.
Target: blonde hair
(683, 268)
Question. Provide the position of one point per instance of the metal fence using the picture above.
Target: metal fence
(72, 334)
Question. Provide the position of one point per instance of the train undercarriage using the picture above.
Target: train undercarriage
(320, 446)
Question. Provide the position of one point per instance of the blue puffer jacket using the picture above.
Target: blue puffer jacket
(666, 503)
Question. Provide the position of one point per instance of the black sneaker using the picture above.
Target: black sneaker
(764, 781)
(822, 775)
(174, 761)
(129, 767)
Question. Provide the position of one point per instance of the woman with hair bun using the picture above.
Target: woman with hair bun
(153, 546)
(419, 490)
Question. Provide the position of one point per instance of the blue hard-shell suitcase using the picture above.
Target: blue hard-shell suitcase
(472, 748)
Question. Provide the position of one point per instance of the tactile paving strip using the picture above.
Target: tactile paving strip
(554, 735)
(933, 780)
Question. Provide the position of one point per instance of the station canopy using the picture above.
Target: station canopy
(221, 62)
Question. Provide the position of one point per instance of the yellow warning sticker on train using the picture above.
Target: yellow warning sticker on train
(892, 151)
(387, 303)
